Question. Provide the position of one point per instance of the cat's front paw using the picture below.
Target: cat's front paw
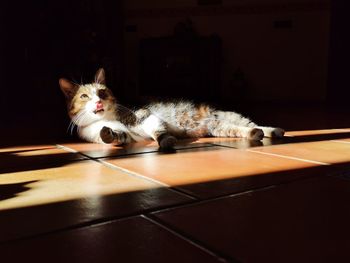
(107, 135)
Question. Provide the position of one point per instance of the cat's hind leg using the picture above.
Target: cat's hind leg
(158, 130)
(251, 133)
(272, 132)
(231, 124)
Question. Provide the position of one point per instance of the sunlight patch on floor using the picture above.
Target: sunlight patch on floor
(317, 132)
(72, 181)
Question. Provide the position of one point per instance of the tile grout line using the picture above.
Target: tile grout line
(112, 166)
(137, 175)
(78, 226)
(119, 156)
(195, 198)
(224, 146)
(276, 155)
(339, 141)
(217, 198)
(288, 157)
(181, 148)
(115, 167)
(145, 153)
(202, 247)
(149, 212)
(130, 173)
(222, 197)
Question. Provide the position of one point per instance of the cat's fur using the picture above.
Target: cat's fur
(99, 118)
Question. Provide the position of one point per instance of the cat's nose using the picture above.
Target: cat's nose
(99, 105)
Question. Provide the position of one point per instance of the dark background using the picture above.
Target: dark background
(42, 41)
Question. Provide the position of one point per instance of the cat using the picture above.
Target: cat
(100, 119)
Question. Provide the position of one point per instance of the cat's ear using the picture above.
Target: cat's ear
(100, 76)
(69, 89)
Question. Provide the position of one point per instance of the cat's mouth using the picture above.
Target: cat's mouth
(98, 111)
(99, 107)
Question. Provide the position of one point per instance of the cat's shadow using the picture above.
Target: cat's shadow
(181, 144)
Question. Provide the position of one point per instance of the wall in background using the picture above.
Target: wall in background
(339, 86)
(43, 41)
(281, 46)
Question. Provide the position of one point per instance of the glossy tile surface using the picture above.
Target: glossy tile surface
(187, 169)
(290, 137)
(304, 221)
(342, 140)
(72, 181)
(327, 152)
(95, 150)
(86, 202)
(317, 132)
(59, 197)
(129, 240)
(241, 143)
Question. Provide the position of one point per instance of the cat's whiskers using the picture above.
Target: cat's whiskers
(82, 119)
(125, 109)
(78, 119)
(70, 127)
(75, 82)
(75, 121)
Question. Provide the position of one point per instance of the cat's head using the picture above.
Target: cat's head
(88, 103)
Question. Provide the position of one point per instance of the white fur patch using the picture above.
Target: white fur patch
(151, 124)
(92, 132)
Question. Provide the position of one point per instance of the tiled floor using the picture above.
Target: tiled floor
(213, 200)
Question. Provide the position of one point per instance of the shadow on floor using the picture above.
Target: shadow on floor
(13, 162)
(8, 191)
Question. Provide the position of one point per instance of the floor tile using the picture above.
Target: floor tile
(290, 137)
(342, 140)
(95, 150)
(241, 143)
(327, 152)
(68, 182)
(26, 158)
(229, 170)
(129, 240)
(76, 193)
(303, 221)
(317, 132)
(316, 135)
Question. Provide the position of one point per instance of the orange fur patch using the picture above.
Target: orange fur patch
(203, 111)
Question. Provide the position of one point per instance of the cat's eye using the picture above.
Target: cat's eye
(102, 94)
(84, 96)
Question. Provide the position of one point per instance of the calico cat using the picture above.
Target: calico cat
(100, 119)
